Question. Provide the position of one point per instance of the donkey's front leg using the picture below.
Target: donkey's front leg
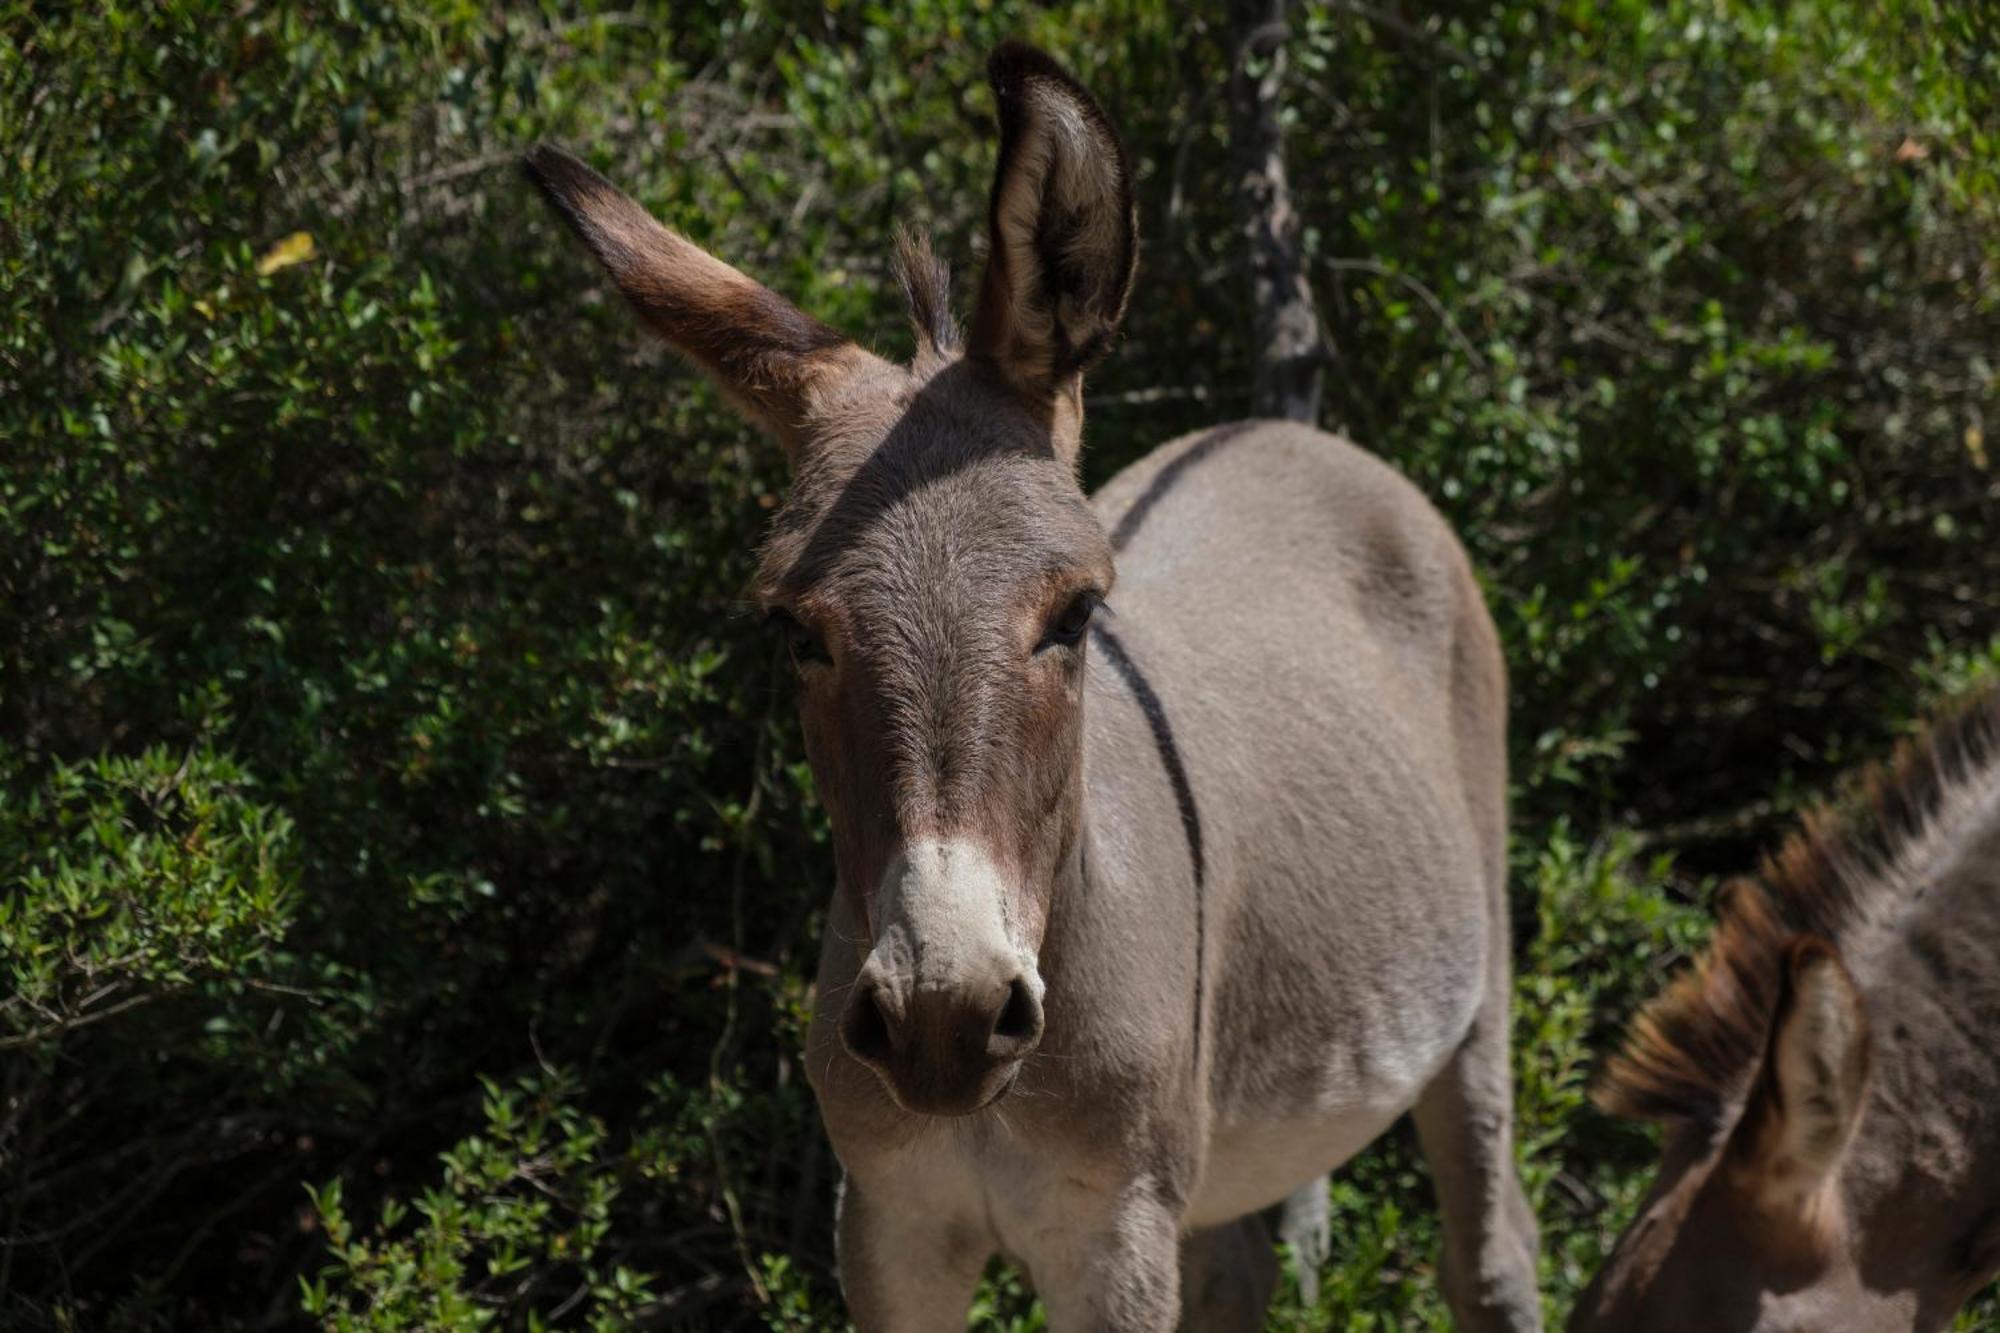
(903, 1268)
(1114, 1265)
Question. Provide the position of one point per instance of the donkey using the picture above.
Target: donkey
(1830, 1071)
(1144, 916)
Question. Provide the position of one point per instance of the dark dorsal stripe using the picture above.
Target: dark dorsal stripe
(1170, 759)
(1165, 479)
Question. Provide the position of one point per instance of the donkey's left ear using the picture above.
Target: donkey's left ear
(1063, 229)
(1809, 1098)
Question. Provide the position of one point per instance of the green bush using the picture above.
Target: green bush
(325, 458)
(135, 881)
(520, 1207)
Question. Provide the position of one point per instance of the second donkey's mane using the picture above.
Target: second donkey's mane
(1691, 1053)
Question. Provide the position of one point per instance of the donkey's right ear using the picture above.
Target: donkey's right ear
(1064, 233)
(771, 357)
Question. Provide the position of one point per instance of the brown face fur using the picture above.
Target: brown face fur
(932, 546)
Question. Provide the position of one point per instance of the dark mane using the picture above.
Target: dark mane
(1692, 1050)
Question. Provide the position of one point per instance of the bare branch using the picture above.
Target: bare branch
(1425, 294)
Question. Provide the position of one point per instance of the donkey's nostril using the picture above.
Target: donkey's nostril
(1021, 1016)
(866, 1028)
(1018, 1026)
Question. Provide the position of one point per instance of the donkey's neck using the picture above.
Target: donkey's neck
(1128, 908)
(1939, 903)
(1930, 968)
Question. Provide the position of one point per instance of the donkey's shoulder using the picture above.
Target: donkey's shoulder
(1274, 485)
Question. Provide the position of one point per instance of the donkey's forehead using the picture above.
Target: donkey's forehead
(943, 478)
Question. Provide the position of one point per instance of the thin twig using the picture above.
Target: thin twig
(732, 981)
(41, 1034)
(1163, 393)
(1429, 298)
(1384, 19)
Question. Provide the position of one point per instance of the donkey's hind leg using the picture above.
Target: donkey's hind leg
(1227, 1275)
(1465, 1124)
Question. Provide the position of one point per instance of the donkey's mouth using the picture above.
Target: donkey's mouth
(1007, 1081)
(940, 1099)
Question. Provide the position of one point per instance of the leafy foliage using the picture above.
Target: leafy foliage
(395, 799)
(135, 879)
(519, 1209)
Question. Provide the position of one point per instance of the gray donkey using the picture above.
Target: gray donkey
(1169, 824)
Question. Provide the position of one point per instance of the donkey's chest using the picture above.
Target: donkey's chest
(1032, 1194)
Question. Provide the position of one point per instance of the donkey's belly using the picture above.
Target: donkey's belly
(1262, 1147)
(1255, 1165)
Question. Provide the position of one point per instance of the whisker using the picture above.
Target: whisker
(852, 940)
(826, 1073)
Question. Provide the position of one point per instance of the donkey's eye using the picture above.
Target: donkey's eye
(1067, 629)
(805, 646)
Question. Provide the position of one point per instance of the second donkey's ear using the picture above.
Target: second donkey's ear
(1808, 1100)
(772, 358)
(1063, 229)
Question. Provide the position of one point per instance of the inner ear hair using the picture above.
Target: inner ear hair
(1062, 226)
(1808, 1099)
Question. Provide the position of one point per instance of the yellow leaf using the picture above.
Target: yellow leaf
(294, 249)
(1975, 444)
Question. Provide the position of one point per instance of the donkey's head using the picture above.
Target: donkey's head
(1744, 1229)
(1770, 1213)
(934, 568)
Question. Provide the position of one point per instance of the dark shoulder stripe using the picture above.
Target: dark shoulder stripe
(1167, 477)
(1170, 759)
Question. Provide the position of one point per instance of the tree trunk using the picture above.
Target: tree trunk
(1290, 355)
(1288, 347)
